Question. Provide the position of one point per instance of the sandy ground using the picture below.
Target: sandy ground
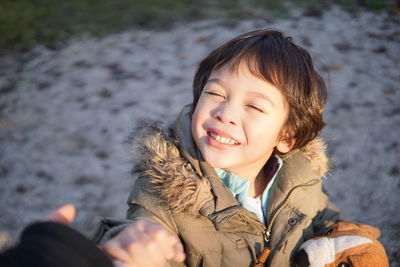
(65, 114)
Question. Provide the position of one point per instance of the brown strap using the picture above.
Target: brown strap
(262, 257)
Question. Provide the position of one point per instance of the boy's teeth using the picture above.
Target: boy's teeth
(223, 140)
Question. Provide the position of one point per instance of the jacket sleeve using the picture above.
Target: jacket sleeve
(142, 204)
(145, 204)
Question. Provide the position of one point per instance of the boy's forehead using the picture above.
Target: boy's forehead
(231, 69)
(237, 70)
(249, 65)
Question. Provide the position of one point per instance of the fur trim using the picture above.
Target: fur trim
(169, 174)
(315, 152)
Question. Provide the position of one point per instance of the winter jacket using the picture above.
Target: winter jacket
(179, 190)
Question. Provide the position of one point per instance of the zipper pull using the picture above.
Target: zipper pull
(262, 258)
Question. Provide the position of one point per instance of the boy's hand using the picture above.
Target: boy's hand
(142, 244)
(347, 244)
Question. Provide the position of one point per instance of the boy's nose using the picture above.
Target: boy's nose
(225, 114)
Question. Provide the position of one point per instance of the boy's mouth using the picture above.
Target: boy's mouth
(221, 139)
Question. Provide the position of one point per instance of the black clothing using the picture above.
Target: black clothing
(48, 244)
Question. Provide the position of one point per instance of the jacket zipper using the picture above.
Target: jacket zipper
(274, 214)
(262, 258)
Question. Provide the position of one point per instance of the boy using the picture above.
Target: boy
(238, 178)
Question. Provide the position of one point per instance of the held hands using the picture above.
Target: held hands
(143, 243)
(347, 245)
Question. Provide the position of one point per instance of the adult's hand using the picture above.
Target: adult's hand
(143, 243)
(64, 215)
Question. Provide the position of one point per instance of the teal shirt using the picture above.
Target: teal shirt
(240, 189)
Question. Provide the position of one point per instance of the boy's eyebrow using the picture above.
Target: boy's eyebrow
(261, 95)
(216, 80)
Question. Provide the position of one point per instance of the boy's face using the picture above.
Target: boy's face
(237, 121)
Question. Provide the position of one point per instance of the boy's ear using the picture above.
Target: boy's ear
(285, 145)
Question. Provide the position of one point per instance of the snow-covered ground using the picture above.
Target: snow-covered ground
(65, 114)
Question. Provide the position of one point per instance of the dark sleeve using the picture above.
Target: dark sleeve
(48, 244)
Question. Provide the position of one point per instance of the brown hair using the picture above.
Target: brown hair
(275, 58)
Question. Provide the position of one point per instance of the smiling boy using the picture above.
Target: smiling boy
(238, 177)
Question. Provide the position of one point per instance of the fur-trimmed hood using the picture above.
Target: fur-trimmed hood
(174, 168)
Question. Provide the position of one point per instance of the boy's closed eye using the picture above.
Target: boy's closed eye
(220, 96)
(256, 108)
(215, 93)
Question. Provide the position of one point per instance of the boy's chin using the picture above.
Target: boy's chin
(216, 163)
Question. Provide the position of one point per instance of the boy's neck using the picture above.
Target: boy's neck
(258, 185)
(264, 176)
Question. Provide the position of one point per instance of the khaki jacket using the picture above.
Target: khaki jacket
(180, 191)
